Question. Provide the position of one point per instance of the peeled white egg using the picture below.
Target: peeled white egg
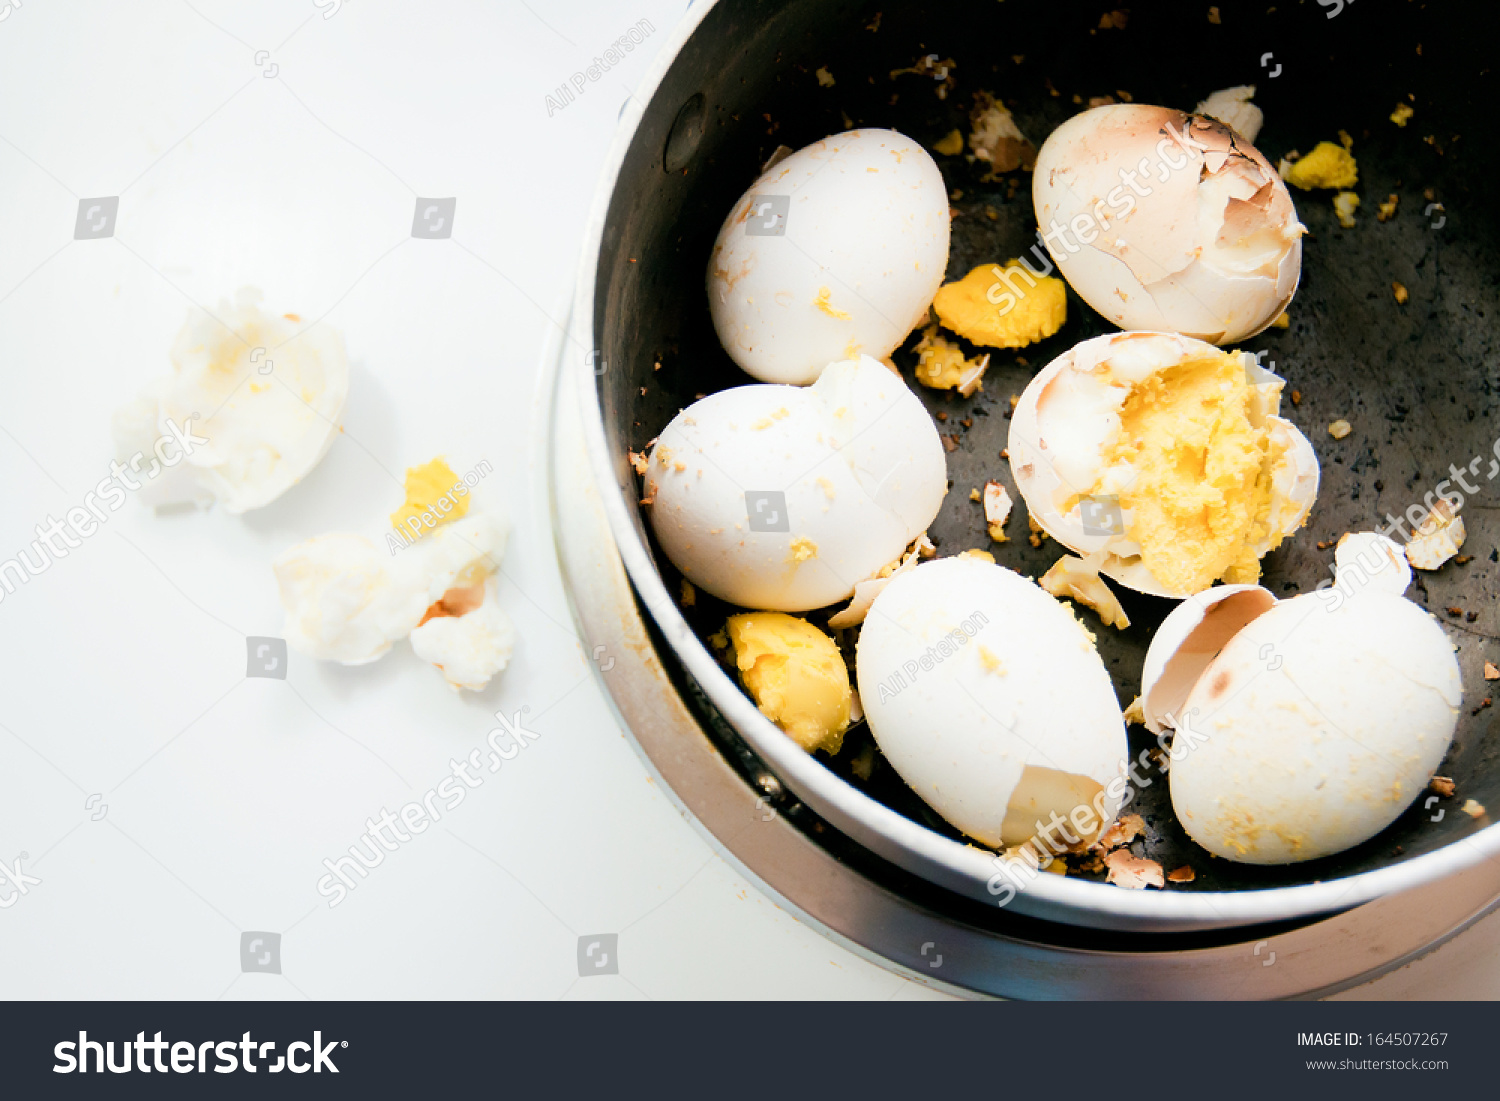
(988, 698)
(1315, 725)
(1168, 221)
(835, 251)
(265, 391)
(1069, 416)
(782, 498)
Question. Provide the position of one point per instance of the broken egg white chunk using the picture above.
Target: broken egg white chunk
(988, 698)
(1167, 221)
(834, 251)
(265, 391)
(468, 649)
(1165, 457)
(342, 601)
(782, 498)
(1314, 727)
(347, 601)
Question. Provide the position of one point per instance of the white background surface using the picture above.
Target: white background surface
(122, 667)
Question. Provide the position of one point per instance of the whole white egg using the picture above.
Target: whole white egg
(1164, 220)
(833, 252)
(781, 498)
(988, 698)
(1315, 727)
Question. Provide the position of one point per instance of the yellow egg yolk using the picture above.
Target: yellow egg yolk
(1328, 165)
(796, 676)
(1005, 307)
(430, 491)
(1201, 497)
(941, 364)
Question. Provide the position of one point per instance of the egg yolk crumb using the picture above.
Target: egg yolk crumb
(1005, 307)
(1345, 203)
(1201, 497)
(952, 145)
(430, 491)
(801, 549)
(942, 365)
(796, 676)
(1328, 165)
(822, 302)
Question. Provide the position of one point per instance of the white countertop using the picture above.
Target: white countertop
(175, 810)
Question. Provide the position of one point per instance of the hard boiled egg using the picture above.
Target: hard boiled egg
(1314, 725)
(1161, 458)
(835, 251)
(988, 697)
(782, 498)
(1168, 221)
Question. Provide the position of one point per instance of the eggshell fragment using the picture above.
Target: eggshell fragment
(1367, 559)
(1233, 108)
(1189, 639)
(1163, 220)
(782, 498)
(1437, 539)
(1314, 728)
(851, 266)
(961, 665)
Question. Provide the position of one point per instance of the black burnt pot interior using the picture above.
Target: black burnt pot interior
(1417, 382)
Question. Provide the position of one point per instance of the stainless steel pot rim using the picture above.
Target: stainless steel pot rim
(922, 851)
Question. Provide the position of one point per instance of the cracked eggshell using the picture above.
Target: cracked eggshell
(988, 698)
(856, 455)
(864, 250)
(1212, 249)
(265, 391)
(1315, 727)
(1188, 640)
(1069, 414)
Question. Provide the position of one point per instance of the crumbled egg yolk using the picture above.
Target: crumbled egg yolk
(942, 365)
(1201, 497)
(796, 676)
(426, 485)
(952, 145)
(822, 303)
(1328, 165)
(801, 549)
(1345, 203)
(1020, 313)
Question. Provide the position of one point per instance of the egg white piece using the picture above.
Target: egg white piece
(1315, 727)
(834, 251)
(347, 601)
(468, 649)
(265, 391)
(856, 456)
(342, 600)
(1168, 221)
(988, 698)
(1069, 415)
